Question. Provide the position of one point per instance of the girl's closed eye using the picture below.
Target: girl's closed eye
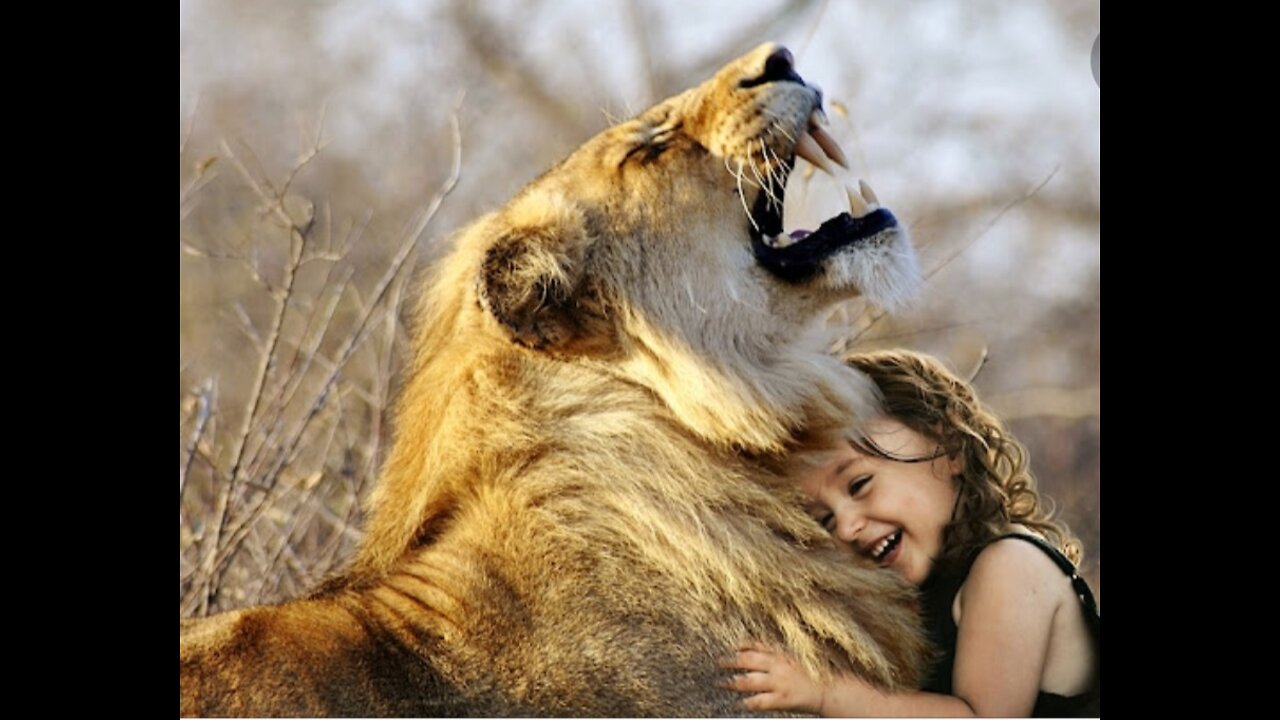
(858, 484)
(826, 520)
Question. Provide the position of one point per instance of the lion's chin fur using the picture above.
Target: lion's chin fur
(586, 504)
(883, 268)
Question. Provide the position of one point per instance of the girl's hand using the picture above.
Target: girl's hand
(775, 680)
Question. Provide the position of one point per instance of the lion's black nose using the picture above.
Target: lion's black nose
(780, 66)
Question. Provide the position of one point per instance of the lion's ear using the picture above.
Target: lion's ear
(534, 282)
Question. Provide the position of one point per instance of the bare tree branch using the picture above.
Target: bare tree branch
(407, 247)
(878, 315)
(309, 154)
(191, 124)
(992, 222)
(267, 359)
(845, 345)
(204, 175)
(245, 324)
(255, 177)
(204, 404)
(302, 362)
(980, 363)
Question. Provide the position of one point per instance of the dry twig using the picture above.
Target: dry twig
(204, 406)
(288, 448)
(267, 359)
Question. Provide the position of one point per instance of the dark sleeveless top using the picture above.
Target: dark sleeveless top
(939, 594)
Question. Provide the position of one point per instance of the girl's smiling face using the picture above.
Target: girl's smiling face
(892, 511)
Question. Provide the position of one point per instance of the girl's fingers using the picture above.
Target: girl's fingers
(752, 655)
(750, 682)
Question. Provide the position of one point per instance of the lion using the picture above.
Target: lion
(586, 504)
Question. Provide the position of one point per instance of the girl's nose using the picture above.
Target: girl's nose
(849, 524)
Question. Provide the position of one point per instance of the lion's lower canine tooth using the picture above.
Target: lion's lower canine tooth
(869, 194)
(809, 149)
(857, 206)
(829, 146)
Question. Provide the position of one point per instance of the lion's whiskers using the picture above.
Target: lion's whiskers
(743, 196)
(777, 125)
(765, 183)
(768, 169)
(775, 168)
(775, 178)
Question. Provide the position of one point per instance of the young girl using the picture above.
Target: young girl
(940, 493)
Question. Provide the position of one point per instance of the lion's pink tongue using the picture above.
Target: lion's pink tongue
(800, 234)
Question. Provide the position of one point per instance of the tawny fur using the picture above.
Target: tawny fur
(586, 504)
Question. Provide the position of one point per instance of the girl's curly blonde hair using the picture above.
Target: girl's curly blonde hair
(996, 488)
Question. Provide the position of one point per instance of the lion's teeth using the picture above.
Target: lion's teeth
(809, 149)
(829, 146)
(869, 195)
(857, 205)
(782, 240)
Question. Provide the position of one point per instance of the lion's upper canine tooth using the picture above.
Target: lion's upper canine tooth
(829, 146)
(873, 202)
(809, 149)
(857, 205)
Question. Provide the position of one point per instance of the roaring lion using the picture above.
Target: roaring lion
(587, 505)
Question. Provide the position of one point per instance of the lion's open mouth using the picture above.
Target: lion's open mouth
(798, 255)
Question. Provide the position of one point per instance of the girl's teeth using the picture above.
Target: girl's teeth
(884, 545)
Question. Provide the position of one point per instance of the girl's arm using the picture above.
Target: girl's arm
(1007, 608)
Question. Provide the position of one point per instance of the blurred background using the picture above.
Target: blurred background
(328, 146)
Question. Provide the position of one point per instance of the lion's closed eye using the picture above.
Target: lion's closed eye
(653, 145)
